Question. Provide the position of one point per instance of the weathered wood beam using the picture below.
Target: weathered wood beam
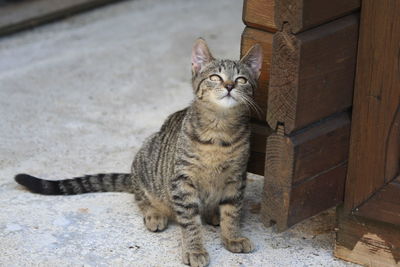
(259, 14)
(312, 73)
(305, 14)
(305, 171)
(270, 15)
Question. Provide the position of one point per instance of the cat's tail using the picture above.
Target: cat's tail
(111, 182)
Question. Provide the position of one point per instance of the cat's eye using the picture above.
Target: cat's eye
(215, 78)
(241, 80)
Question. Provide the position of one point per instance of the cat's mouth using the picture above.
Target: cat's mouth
(228, 96)
(227, 101)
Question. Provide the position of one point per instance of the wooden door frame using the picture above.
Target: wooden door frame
(369, 224)
(375, 134)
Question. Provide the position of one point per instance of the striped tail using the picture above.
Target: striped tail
(112, 182)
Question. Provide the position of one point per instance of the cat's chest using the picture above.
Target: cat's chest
(216, 167)
(217, 159)
(213, 157)
(210, 184)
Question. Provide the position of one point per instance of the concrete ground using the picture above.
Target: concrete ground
(79, 96)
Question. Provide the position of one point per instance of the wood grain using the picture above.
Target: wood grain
(305, 14)
(321, 146)
(259, 14)
(320, 192)
(312, 73)
(18, 15)
(270, 15)
(376, 103)
(305, 171)
(251, 37)
(277, 183)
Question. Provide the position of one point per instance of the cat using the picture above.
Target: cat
(194, 167)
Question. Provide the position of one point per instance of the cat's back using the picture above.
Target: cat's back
(156, 155)
(173, 123)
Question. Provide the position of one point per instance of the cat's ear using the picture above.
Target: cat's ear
(253, 59)
(201, 55)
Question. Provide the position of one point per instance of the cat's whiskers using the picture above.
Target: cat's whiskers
(250, 104)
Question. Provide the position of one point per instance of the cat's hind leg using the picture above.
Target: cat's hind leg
(154, 220)
(155, 214)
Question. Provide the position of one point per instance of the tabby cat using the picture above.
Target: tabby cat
(194, 167)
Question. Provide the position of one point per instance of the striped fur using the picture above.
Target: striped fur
(194, 167)
(111, 182)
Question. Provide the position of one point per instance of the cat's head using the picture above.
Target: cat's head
(222, 82)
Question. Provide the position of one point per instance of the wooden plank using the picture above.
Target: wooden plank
(18, 15)
(376, 103)
(259, 14)
(270, 15)
(317, 194)
(367, 242)
(305, 14)
(384, 204)
(258, 143)
(249, 38)
(312, 73)
(305, 171)
(320, 147)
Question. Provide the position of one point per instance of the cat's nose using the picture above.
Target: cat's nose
(229, 86)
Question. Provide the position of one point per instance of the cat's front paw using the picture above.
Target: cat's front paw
(238, 245)
(196, 258)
